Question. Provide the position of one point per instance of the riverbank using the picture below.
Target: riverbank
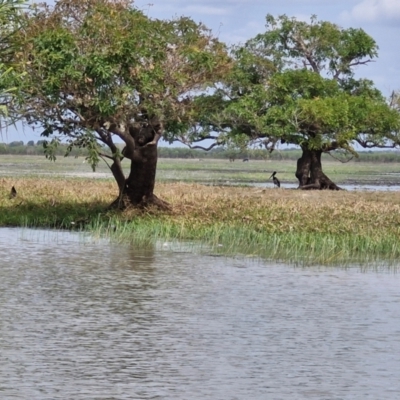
(281, 224)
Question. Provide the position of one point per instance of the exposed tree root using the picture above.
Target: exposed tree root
(123, 203)
(309, 172)
(319, 186)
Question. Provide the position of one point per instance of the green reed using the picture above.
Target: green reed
(288, 225)
(304, 248)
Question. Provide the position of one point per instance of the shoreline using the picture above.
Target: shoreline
(308, 227)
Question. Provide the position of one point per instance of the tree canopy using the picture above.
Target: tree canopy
(96, 66)
(296, 84)
(97, 70)
(101, 70)
(9, 25)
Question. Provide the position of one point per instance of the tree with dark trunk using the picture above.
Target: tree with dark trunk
(100, 72)
(295, 85)
(309, 171)
(138, 188)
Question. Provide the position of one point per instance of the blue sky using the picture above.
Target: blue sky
(235, 21)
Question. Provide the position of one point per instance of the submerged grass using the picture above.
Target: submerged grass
(288, 225)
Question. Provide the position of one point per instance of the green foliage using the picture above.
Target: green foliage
(96, 66)
(9, 24)
(295, 83)
(50, 148)
(16, 143)
(90, 144)
(93, 67)
(319, 45)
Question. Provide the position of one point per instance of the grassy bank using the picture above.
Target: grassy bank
(289, 225)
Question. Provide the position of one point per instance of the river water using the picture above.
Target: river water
(86, 319)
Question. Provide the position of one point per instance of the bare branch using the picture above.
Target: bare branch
(204, 148)
(338, 159)
(368, 144)
(103, 155)
(205, 138)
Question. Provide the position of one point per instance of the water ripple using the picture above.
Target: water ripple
(83, 319)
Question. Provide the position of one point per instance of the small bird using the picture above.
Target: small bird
(13, 193)
(275, 179)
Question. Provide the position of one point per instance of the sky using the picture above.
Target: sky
(235, 21)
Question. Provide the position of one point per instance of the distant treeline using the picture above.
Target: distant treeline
(287, 154)
(36, 148)
(32, 148)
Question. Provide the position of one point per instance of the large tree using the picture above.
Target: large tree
(9, 25)
(99, 71)
(296, 84)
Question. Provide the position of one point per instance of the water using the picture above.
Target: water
(351, 187)
(81, 319)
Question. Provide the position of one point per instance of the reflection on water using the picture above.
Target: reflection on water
(89, 320)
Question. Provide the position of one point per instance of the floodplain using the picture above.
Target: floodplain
(203, 301)
(230, 206)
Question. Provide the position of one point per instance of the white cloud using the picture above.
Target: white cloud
(375, 11)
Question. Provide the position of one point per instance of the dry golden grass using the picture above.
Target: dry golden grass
(273, 210)
(43, 190)
(313, 227)
(278, 210)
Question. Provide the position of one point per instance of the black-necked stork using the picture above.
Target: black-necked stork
(275, 179)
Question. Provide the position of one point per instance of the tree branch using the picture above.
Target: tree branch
(204, 148)
(338, 159)
(368, 144)
(103, 155)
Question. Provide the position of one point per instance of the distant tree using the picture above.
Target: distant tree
(98, 70)
(31, 143)
(16, 143)
(295, 84)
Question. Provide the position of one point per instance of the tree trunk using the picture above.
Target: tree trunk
(309, 172)
(137, 189)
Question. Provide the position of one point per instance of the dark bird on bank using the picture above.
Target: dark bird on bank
(13, 193)
(245, 159)
(275, 179)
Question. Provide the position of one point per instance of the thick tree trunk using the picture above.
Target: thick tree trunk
(309, 172)
(137, 189)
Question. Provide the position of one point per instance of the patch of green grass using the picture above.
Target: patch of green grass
(305, 248)
(295, 226)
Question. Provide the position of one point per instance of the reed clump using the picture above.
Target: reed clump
(308, 227)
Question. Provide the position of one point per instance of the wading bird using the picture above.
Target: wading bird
(13, 193)
(275, 179)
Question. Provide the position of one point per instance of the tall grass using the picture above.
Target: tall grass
(288, 225)
(296, 247)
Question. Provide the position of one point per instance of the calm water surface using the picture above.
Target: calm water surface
(81, 319)
(362, 187)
